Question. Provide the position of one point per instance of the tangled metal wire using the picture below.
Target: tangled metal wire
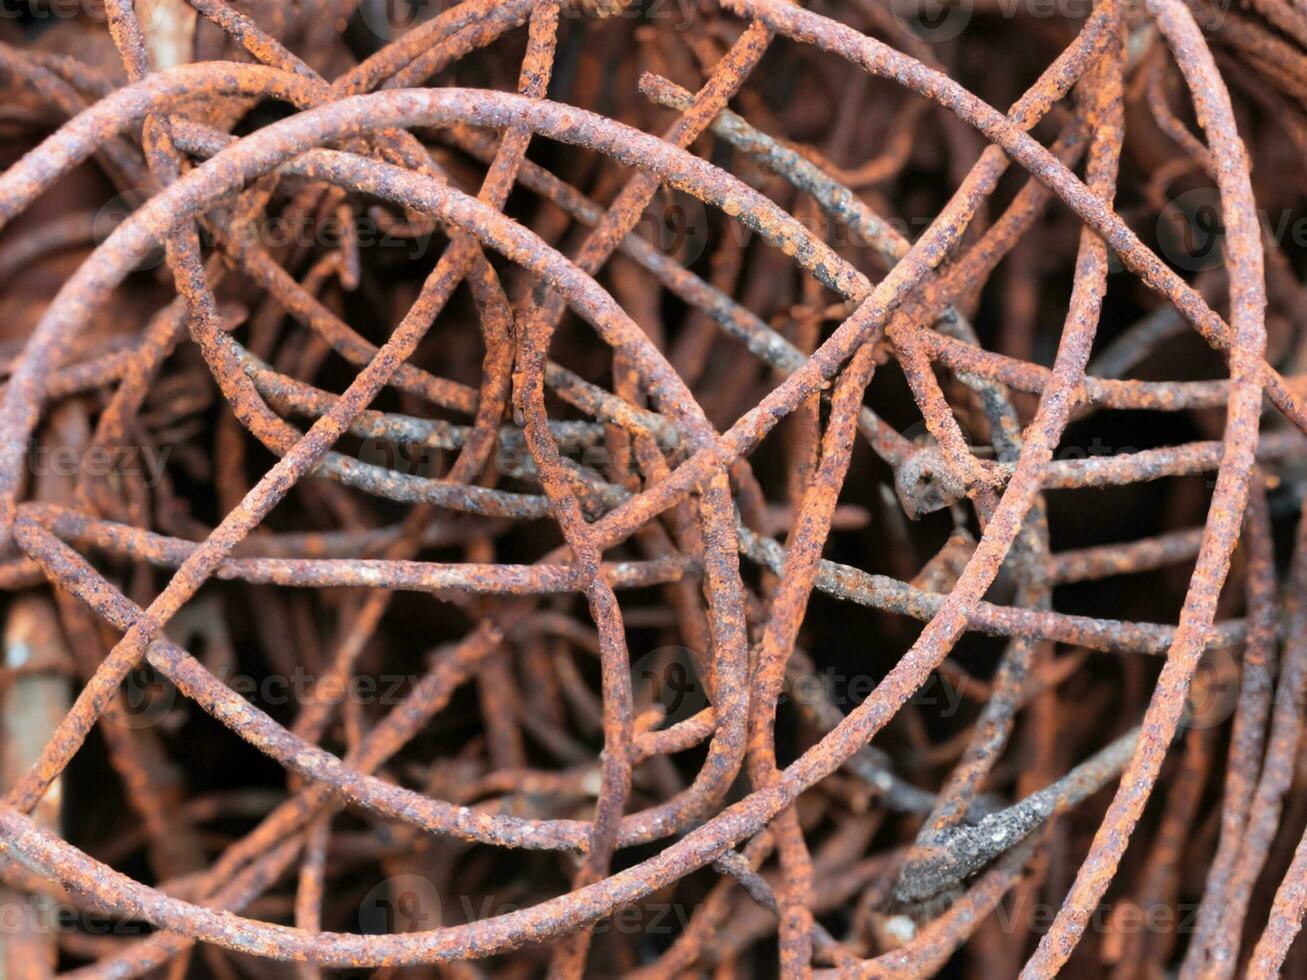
(473, 503)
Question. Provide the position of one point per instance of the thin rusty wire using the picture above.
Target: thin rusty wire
(701, 413)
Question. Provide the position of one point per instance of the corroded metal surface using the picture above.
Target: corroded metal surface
(595, 488)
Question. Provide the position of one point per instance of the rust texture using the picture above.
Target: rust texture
(590, 488)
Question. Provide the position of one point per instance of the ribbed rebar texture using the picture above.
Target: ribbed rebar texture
(519, 488)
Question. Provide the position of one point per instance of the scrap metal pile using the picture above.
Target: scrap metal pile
(508, 488)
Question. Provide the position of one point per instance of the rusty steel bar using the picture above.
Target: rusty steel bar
(588, 488)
